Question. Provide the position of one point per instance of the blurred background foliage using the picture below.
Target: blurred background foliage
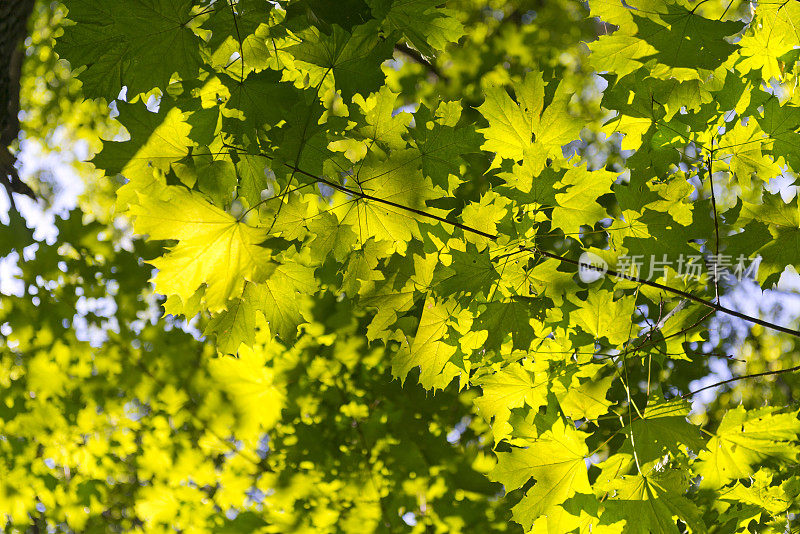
(114, 419)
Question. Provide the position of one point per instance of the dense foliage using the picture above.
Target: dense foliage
(349, 298)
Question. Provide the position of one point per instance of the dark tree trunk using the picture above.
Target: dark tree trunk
(14, 16)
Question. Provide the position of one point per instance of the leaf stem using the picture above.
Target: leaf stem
(716, 223)
(238, 37)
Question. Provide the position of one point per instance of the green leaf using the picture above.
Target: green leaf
(442, 142)
(469, 273)
(577, 206)
(556, 461)
(783, 221)
(138, 44)
(346, 14)
(234, 326)
(353, 59)
(510, 388)
(156, 140)
(700, 43)
(428, 350)
(233, 28)
(664, 428)
(424, 23)
(587, 400)
(524, 128)
(259, 100)
(398, 181)
(602, 316)
(280, 297)
(214, 249)
(251, 174)
(650, 504)
(500, 319)
(746, 439)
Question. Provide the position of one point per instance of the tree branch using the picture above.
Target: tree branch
(367, 196)
(419, 58)
(689, 296)
(743, 377)
(674, 291)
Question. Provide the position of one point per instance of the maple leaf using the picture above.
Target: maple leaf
(384, 127)
(783, 222)
(749, 502)
(442, 142)
(399, 181)
(556, 461)
(234, 29)
(773, 34)
(746, 439)
(587, 400)
(745, 144)
(428, 351)
(251, 175)
(353, 59)
(346, 14)
(576, 206)
(601, 316)
(258, 100)
(662, 427)
(470, 272)
(156, 140)
(279, 298)
(423, 22)
(781, 123)
(138, 44)
(234, 326)
(525, 126)
(500, 319)
(330, 237)
(512, 387)
(702, 43)
(214, 249)
(650, 504)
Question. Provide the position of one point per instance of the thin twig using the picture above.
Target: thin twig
(367, 196)
(743, 377)
(419, 58)
(494, 237)
(675, 291)
(716, 224)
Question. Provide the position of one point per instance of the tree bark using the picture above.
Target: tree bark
(14, 16)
